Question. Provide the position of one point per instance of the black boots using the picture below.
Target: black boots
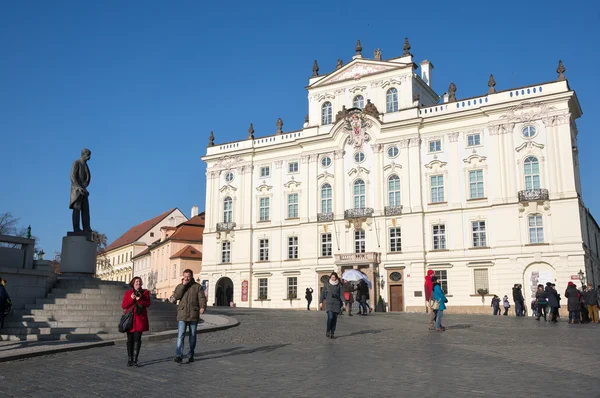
(136, 352)
(129, 353)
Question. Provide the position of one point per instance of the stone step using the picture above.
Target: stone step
(99, 325)
(152, 310)
(64, 337)
(113, 317)
(97, 291)
(98, 301)
(74, 305)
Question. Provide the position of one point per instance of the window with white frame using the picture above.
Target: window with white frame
(265, 171)
(393, 190)
(474, 139)
(227, 209)
(439, 237)
(480, 277)
(263, 250)
(292, 287)
(531, 169)
(326, 198)
(264, 209)
(293, 167)
(395, 240)
(442, 279)
(358, 102)
(479, 234)
(326, 245)
(263, 288)
(359, 241)
(359, 194)
(292, 247)
(476, 184)
(437, 188)
(435, 145)
(292, 205)
(225, 251)
(536, 228)
(391, 100)
(326, 113)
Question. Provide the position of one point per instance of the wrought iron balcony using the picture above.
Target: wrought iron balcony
(533, 195)
(357, 258)
(392, 210)
(225, 226)
(358, 213)
(324, 217)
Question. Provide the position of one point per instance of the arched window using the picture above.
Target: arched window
(227, 210)
(359, 194)
(536, 228)
(394, 191)
(326, 199)
(391, 100)
(326, 113)
(531, 169)
(358, 102)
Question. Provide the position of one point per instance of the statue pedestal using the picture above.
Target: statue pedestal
(78, 255)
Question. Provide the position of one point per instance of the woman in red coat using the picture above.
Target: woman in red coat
(136, 300)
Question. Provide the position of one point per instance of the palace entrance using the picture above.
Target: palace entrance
(224, 292)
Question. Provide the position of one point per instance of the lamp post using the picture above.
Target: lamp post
(581, 277)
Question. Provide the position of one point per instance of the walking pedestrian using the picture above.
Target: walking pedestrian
(506, 304)
(438, 295)
(363, 294)
(137, 300)
(348, 289)
(333, 295)
(308, 297)
(428, 294)
(192, 303)
(496, 305)
(591, 300)
(552, 301)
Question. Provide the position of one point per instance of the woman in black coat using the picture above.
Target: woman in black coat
(573, 305)
(552, 302)
(308, 297)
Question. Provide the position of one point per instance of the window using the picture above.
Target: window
(263, 250)
(359, 194)
(326, 199)
(480, 276)
(435, 145)
(152, 234)
(263, 288)
(292, 167)
(265, 171)
(476, 184)
(358, 102)
(443, 279)
(394, 191)
(395, 240)
(227, 210)
(536, 228)
(264, 206)
(479, 238)
(292, 205)
(174, 271)
(326, 113)
(226, 251)
(473, 139)
(326, 247)
(359, 241)
(292, 287)
(437, 189)
(391, 100)
(359, 157)
(531, 169)
(392, 152)
(529, 131)
(439, 237)
(229, 177)
(325, 161)
(292, 247)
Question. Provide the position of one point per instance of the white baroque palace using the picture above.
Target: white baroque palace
(484, 190)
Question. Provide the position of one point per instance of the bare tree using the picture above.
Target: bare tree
(8, 224)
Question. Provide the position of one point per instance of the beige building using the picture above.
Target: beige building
(388, 177)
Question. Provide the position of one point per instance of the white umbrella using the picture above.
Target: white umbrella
(354, 275)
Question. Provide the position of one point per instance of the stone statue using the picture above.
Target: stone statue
(80, 179)
(491, 85)
(306, 118)
(341, 114)
(378, 54)
(251, 132)
(358, 48)
(561, 70)
(315, 69)
(279, 126)
(406, 47)
(339, 64)
(452, 93)
(371, 109)
(211, 139)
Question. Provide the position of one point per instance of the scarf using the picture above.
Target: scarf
(334, 283)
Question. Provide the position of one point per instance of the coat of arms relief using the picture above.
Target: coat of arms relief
(357, 124)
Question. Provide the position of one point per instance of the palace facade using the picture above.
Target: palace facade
(390, 178)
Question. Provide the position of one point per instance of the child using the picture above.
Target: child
(506, 305)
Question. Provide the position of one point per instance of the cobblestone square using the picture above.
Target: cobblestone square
(276, 353)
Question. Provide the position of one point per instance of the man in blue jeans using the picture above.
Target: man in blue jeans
(192, 303)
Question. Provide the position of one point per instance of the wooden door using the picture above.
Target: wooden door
(396, 298)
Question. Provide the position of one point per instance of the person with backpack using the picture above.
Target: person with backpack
(5, 303)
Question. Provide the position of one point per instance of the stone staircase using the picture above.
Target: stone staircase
(81, 309)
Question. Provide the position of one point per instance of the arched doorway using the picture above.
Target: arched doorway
(224, 292)
(536, 274)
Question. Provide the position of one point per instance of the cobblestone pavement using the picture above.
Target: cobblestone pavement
(277, 353)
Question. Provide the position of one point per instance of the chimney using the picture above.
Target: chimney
(194, 211)
(426, 68)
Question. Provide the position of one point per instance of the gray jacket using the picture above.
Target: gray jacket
(591, 297)
(334, 297)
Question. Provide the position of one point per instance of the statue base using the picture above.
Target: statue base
(78, 254)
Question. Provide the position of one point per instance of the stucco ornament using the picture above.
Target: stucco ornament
(357, 124)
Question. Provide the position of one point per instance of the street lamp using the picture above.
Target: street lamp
(581, 277)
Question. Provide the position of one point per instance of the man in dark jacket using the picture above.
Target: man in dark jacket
(192, 303)
(552, 301)
(518, 299)
(591, 301)
(4, 299)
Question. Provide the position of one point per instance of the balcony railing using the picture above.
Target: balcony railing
(225, 226)
(533, 195)
(356, 258)
(321, 217)
(358, 213)
(392, 210)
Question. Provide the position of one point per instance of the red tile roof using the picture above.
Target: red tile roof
(188, 233)
(188, 252)
(138, 231)
(197, 220)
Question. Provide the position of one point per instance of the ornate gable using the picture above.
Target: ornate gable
(356, 70)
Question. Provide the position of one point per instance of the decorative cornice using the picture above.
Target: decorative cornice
(527, 112)
(278, 164)
(357, 89)
(358, 171)
(393, 166)
(435, 164)
(475, 160)
(499, 129)
(453, 137)
(264, 188)
(339, 154)
(529, 145)
(557, 120)
(325, 175)
(415, 142)
(292, 183)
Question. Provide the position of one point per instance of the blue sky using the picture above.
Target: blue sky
(142, 83)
